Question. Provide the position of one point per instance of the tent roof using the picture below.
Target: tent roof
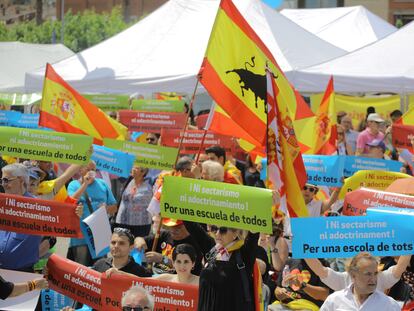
(17, 58)
(164, 51)
(384, 66)
(349, 28)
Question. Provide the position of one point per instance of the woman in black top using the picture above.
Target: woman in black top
(226, 282)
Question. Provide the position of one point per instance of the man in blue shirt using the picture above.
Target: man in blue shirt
(17, 251)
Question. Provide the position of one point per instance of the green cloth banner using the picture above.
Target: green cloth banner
(147, 155)
(155, 105)
(108, 102)
(45, 145)
(218, 203)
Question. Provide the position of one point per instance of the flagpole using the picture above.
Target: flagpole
(201, 146)
(158, 233)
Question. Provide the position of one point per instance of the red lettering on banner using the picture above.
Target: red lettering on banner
(402, 135)
(167, 295)
(38, 217)
(357, 201)
(193, 139)
(151, 122)
(75, 281)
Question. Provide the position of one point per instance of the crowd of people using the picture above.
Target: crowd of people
(219, 260)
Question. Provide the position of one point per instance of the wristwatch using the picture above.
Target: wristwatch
(303, 285)
(275, 250)
(165, 260)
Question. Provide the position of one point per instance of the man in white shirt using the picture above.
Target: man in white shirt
(362, 294)
(315, 207)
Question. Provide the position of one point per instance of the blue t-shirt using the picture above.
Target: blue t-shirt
(98, 193)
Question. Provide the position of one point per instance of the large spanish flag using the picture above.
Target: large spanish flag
(65, 110)
(325, 136)
(233, 72)
(286, 170)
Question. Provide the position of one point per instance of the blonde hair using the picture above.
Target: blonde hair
(214, 170)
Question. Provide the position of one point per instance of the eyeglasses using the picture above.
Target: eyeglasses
(126, 232)
(5, 180)
(150, 139)
(310, 189)
(135, 308)
(221, 230)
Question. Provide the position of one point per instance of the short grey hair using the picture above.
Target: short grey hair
(183, 163)
(134, 291)
(214, 170)
(17, 170)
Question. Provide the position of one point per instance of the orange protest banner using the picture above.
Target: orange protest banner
(151, 122)
(167, 295)
(75, 281)
(38, 217)
(402, 135)
(357, 201)
(193, 139)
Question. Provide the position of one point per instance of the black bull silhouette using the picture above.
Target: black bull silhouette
(252, 81)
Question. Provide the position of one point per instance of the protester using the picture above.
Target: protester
(340, 280)
(376, 149)
(175, 234)
(252, 174)
(231, 174)
(351, 136)
(137, 298)
(342, 147)
(371, 133)
(213, 171)
(9, 289)
(184, 258)
(315, 207)
(93, 193)
(363, 292)
(135, 198)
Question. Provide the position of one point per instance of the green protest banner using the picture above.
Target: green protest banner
(19, 99)
(217, 203)
(108, 102)
(45, 145)
(147, 155)
(154, 105)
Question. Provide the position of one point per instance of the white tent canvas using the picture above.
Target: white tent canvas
(348, 28)
(164, 51)
(17, 58)
(384, 66)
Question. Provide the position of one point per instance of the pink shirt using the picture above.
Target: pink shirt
(366, 137)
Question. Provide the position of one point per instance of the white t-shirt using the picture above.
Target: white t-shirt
(314, 208)
(344, 300)
(340, 280)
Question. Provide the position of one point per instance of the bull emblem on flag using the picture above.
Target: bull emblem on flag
(249, 80)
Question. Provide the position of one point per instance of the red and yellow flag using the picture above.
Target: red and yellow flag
(286, 170)
(325, 138)
(65, 110)
(233, 72)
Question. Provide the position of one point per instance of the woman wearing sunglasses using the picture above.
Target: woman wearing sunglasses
(226, 281)
(184, 258)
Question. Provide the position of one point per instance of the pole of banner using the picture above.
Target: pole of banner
(157, 234)
(201, 145)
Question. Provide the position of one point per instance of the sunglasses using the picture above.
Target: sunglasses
(311, 189)
(136, 308)
(221, 230)
(126, 232)
(150, 139)
(5, 180)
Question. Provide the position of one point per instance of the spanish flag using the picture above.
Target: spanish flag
(325, 138)
(65, 110)
(233, 72)
(286, 170)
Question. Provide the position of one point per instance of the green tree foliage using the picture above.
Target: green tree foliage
(82, 30)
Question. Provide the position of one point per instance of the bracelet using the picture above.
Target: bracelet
(31, 285)
(275, 250)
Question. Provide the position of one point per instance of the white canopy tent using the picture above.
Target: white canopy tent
(17, 58)
(164, 51)
(384, 66)
(348, 28)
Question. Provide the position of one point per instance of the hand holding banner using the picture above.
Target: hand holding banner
(211, 202)
(38, 217)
